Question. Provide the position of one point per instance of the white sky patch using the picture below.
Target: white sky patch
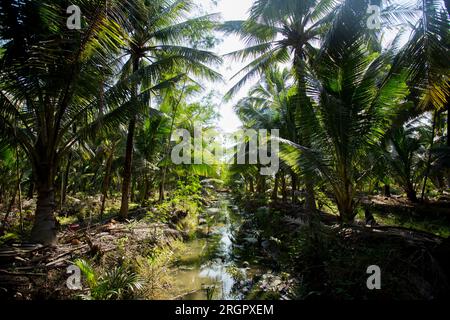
(229, 10)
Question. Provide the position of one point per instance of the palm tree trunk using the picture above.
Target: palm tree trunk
(66, 180)
(427, 173)
(310, 198)
(370, 219)
(448, 135)
(19, 190)
(106, 181)
(294, 188)
(346, 211)
(283, 187)
(44, 228)
(411, 194)
(440, 181)
(275, 188)
(145, 193)
(387, 190)
(127, 169)
(262, 185)
(161, 187)
(448, 122)
(252, 187)
(167, 147)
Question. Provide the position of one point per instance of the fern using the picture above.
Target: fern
(116, 284)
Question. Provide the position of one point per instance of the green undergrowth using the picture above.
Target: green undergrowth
(437, 226)
(182, 208)
(330, 262)
(144, 272)
(136, 276)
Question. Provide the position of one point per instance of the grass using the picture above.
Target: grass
(155, 271)
(437, 226)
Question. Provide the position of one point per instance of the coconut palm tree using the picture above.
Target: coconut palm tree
(285, 31)
(49, 86)
(158, 33)
(425, 57)
(354, 98)
(405, 154)
(269, 106)
(281, 32)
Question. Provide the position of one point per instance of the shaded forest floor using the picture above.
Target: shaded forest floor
(432, 216)
(141, 245)
(308, 258)
(409, 243)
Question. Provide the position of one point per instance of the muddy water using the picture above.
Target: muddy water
(207, 268)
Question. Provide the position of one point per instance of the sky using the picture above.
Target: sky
(229, 10)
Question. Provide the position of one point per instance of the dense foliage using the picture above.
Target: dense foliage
(87, 119)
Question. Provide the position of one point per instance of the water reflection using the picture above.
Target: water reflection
(203, 268)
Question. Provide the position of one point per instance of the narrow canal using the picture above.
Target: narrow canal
(208, 268)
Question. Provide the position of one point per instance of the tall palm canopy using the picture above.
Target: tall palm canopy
(59, 85)
(49, 86)
(156, 48)
(279, 31)
(93, 110)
